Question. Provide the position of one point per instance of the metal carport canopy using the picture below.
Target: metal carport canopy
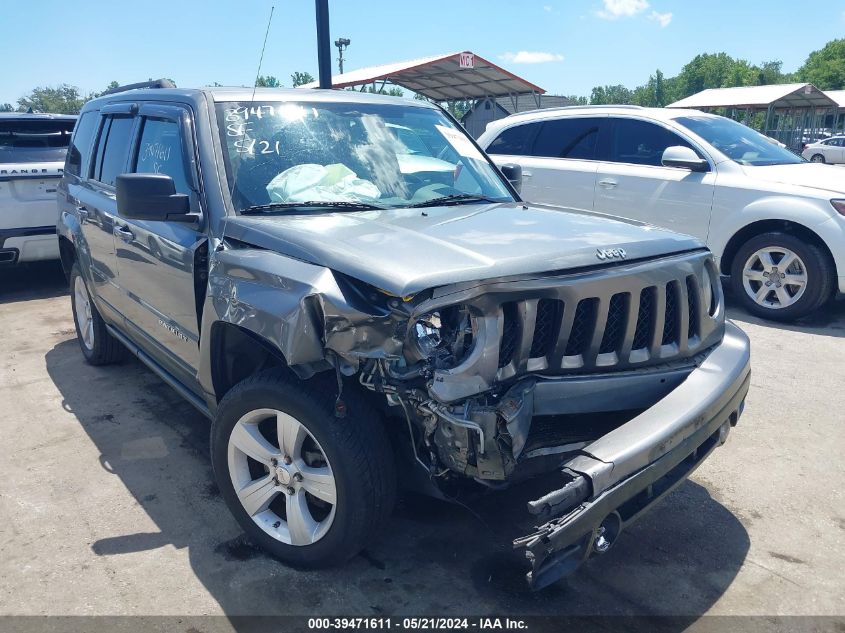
(758, 97)
(463, 75)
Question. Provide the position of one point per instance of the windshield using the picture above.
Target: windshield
(739, 142)
(281, 153)
(34, 140)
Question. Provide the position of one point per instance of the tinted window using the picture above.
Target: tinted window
(78, 157)
(113, 149)
(514, 140)
(160, 152)
(640, 142)
(34, 140)
(568, 138)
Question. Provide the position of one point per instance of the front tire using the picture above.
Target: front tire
(307, 487)
(781, 277)
(817, 158)
(97, 345)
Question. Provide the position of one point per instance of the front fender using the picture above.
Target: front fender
(296, 307)
(808, 212)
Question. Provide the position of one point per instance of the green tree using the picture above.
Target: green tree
(300, 78)
(603, 95)
(267, 82)
(63, 99)
(6, 107)
(825, 68)
(576, 100)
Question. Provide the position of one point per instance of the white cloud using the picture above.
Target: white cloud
(531, 57)
(547, 8)
(663, 18)
(622, 8)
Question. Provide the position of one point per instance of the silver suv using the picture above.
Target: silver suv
(355, 297)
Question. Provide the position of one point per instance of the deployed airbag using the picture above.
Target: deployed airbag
(324, 183)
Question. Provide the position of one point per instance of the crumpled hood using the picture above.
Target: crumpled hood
(404, 251)
(815, 175)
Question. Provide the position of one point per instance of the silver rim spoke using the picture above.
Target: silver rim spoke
(247, 439)
(257, 495)
(291, 434)
(319, 482)
(301, 525)
(774, 277)
(298, 470)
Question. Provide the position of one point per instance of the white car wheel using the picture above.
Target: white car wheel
(774, 277)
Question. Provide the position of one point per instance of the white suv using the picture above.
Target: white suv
(32, 157)
(775, 222)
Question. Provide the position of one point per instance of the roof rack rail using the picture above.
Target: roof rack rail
(157, 83)
(623, 106)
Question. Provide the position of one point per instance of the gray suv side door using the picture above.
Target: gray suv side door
(96, 206)
(155, 260)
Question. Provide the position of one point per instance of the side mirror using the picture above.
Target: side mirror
(513, 174)
(685, 158)
(151, 197)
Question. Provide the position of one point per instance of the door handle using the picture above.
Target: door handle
(526, 174)
(83, 213)
(123, 233)
(607, 183)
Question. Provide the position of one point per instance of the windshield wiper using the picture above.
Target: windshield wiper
(258, 209)
(455, 198)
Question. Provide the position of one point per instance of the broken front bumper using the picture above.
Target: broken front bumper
(623, 473)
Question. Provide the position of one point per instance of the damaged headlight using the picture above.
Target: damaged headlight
(444, 336)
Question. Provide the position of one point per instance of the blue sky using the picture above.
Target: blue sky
(567, 47)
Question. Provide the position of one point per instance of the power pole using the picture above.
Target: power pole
(324, 46)
(341, 43)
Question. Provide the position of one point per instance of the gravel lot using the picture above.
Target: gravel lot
(109, 507)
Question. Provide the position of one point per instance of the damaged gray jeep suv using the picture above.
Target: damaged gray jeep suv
(356, 296)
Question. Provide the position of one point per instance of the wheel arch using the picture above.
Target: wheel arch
(238, 353)
(765, 226)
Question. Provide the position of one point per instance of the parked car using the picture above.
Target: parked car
(774, 222)
(347, 324)
(831, 150)
(32, 155)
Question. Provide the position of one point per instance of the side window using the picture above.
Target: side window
(113, 148)
(160, 152)
(568, 138)
(514, 140)
(641, 142)
(79, 157)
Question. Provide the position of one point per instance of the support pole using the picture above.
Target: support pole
(324, 45)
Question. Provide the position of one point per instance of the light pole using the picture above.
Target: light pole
(323, 44)
(341, 43)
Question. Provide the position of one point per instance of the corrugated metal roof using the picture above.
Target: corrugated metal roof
(441, 78)
(838, 96)
(778, 95)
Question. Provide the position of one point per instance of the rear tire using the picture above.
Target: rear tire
(278, 451)
(97, 345)
(781, 277)
(817, 158)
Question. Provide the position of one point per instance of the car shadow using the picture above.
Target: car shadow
(828, 321)
(433, 557)
(38, 280)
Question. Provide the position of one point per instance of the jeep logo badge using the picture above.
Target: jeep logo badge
(611, 253)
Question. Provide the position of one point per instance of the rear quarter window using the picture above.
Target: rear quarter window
(34, 140)
(79, 152)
